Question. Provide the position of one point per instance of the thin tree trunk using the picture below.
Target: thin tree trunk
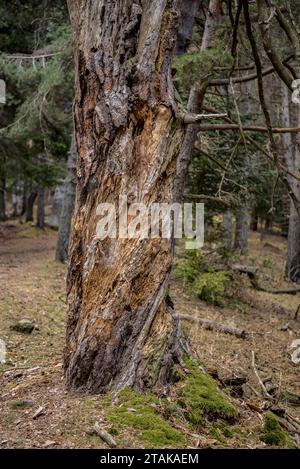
(122, 328)
(40, 223)
(24, 200)
(241, 231)
(54, 218)
(2, 199)
(213, 16)
(62, 246)
(195, 105)
(293, 257)
(228, 229)
(291, 155)
(29, 206)
(242, 213)
(254, 220)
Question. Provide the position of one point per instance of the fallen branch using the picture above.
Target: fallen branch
(190, 118)
(215, 326)
(251, 271)
(246, 128)
(266, 394)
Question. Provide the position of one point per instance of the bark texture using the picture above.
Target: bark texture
(122, 329)
(62, 247)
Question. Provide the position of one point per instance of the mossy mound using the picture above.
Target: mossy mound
(141, 413)
(200, 397)
(274, 435)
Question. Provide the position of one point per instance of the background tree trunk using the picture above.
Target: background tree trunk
(242, 213)
(213, 15)
(228, 229)
(195, 103)
(241, 231)
(293, 255)
(189, 10)
(122, 329)
(2, 199)
(56, 207)
(40, 222)
(29, 206)
(62, 247)
(291, 154)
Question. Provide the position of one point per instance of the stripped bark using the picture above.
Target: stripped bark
(122, 328)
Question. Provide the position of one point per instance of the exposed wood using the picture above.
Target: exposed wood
(123, 330)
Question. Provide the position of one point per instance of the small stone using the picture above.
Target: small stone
(25, 326)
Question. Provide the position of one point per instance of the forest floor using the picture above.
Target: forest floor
(37, 412)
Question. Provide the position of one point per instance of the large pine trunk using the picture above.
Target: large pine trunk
(122, 329)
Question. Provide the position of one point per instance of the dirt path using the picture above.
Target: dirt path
(32, 286)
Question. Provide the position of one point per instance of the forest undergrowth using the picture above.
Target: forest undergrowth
(243, 395)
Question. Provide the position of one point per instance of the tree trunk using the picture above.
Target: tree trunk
(213, 16)
(24, 200)
(241, 231)
(228, 229)
(242, 213)
(2, 199)
(254, 220)
(293, 257)
(62, 247)
(40, 223)
(122, 328)
(195, 102)
(54, 218)
(189, 10)
(29, 206)
(291, 155)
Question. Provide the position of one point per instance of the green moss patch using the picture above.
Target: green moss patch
(274, 435)
(141, 413)
(200, 397)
